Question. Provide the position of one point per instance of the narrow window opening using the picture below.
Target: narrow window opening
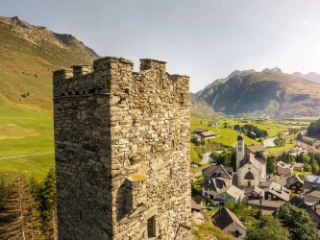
(151, 224)
(127, 91)
(173, 143)
(80, 214)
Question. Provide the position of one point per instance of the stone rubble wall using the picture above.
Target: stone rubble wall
(122, 151)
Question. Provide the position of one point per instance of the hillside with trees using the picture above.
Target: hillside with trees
(314, 129)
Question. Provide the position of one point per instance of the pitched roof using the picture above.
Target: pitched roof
(312, 193)
(218, 171)
(284, 165)
(251, 159)
(279, 191)
(312, 178)
(207, 134)
(296, 201)
(214, 184)
(199, 130)
(293, 180)
(255, 189)
(224, 217)
(255, 149)
(266, 203)
(232, 190)
(298, 165)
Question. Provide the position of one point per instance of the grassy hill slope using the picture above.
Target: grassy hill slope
(28, 56)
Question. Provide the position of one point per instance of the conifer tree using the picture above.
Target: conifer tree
(45, 196)
(16, 217)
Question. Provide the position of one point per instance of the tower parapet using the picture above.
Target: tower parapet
(122, 151)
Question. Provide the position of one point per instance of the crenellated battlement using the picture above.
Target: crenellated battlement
(122, 151)
(105, 77)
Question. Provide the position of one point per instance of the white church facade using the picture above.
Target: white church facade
(251, 165)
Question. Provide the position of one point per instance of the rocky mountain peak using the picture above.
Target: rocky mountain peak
(275, 70)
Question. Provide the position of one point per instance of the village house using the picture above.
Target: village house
(311, 197)
(298, 166)
(253, 192)
(203, 134)
(275, 192)
(284, 168)
(216, 178)
(266, 206)
(207, 135)
(228, 222)
(198, 131)
(295, 184)
(311, 182)
(255, 149)
(230, 194)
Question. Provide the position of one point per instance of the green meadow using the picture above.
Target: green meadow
(26, 141)
(226, 134)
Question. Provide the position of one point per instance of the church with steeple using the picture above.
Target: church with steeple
(251, 164)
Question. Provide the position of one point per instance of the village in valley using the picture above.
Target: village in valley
(253, 173)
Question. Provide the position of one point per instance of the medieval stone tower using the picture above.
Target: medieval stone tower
(122, 151)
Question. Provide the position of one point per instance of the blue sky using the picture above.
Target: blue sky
(205, 39)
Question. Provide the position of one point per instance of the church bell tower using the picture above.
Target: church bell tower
(240, 149)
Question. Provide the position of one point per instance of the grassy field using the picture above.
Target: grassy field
(25, 132)
(28, 57)
(228, 136)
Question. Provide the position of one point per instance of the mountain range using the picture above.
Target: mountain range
(269, 92)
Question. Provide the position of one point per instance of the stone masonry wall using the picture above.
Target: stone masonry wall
(122, 151)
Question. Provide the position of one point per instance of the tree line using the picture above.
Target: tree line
(314, 128)
(311, 161)
(28, 208)
(251, 131)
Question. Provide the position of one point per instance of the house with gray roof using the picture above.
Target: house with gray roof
(284, 168)
(276, 192)
(253, 192)
(311, 197)
(311, 182)
(228, 222)
(215, 178)
(266, 206)
(230, 194)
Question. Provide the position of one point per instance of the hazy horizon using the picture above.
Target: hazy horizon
(206, 40)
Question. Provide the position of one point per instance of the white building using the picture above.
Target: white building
(251, 167)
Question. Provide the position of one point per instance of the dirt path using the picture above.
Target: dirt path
(27, 155)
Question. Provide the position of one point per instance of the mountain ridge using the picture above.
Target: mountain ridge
(266, 92)
(29, 55)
